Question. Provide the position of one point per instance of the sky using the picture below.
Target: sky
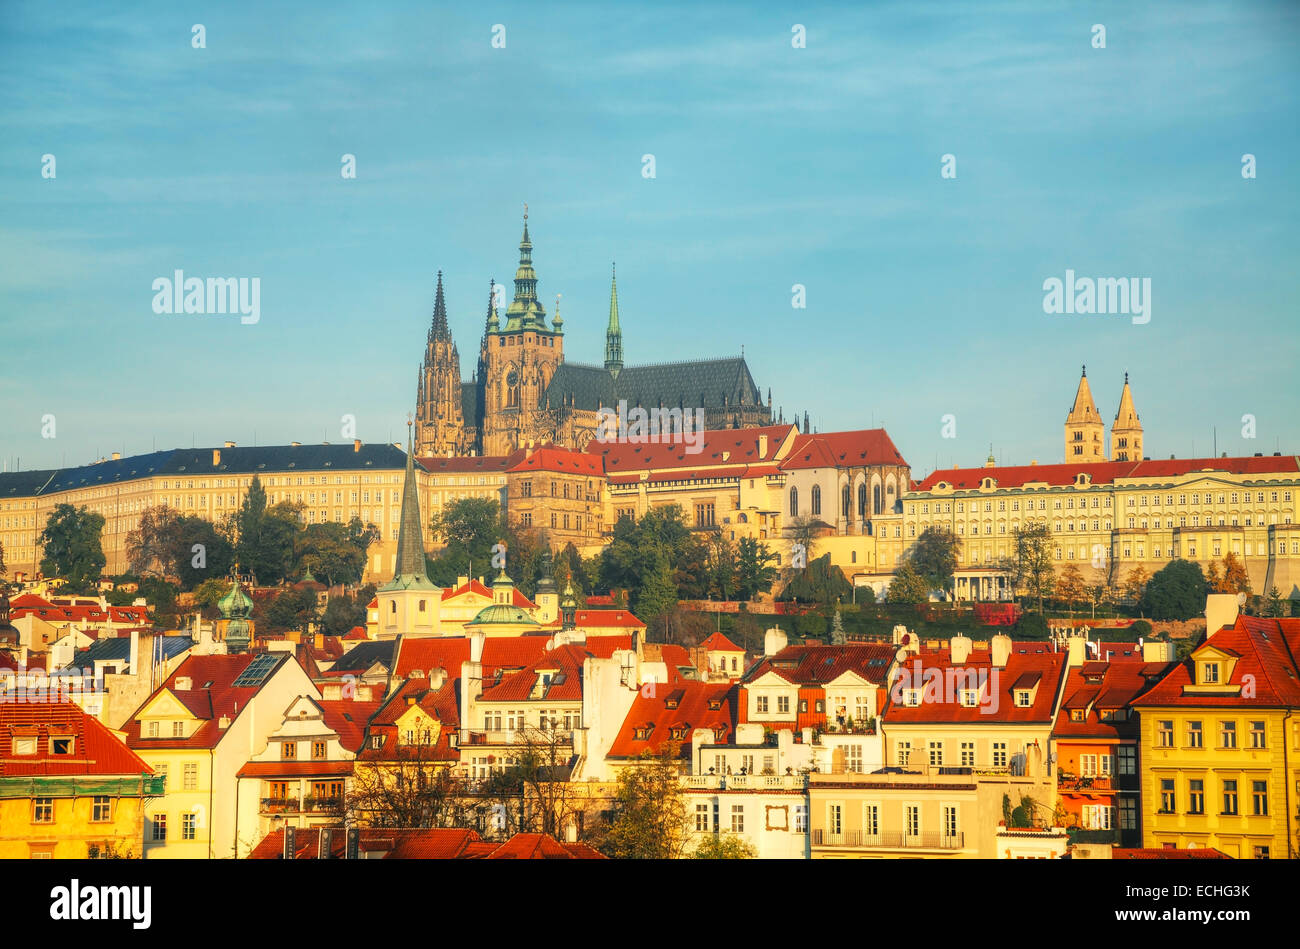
(774, 166)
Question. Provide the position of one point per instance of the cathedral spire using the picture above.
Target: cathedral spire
(1084, 429)
(439, 330)
(493, 325)
(411, 571)
(613, 333)
(1126, 430)
(525, 311)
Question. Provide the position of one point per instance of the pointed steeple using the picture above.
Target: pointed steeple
(1126, 430)
(558, 322)
(613, 332)
(493, 325)
(411, 571)
(1084, 430)
(439, 330)
(525, 311)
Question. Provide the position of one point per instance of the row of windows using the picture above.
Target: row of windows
(1194, 734)
(878, 501)
(1247, 497)
(708, 818)
(101, 809)
(871, 822)
(1195, 797)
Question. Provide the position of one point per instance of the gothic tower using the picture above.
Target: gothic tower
(1085, 432)
(439, 413)
(521, 359)
(613, 333)
(1126, 430)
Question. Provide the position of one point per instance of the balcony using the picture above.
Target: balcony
(889, 840)
(322, 805)
(280, 805)
(745, 782)
(1097, 784)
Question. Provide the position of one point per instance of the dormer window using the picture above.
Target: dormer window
(1078, 714)
(1024, 698)
(679, 733)
(715, 704)
(970, 697)
(62, 746)
(911, 697)
(1210, 674)
(642, 734)
(24, 746)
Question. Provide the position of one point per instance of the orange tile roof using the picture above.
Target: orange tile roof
(566, 684)
(562, 461)
(871, 446)
(737, 447)
(95, 750)
(1021, 667)
(1097, 686)
(433, 843)
(499, 652)
(682, 705)
(1105, 472)
(720, 643)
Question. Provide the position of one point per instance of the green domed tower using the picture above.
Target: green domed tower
(236, 607)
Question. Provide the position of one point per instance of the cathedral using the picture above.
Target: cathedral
(1085, 432)
(522, 391)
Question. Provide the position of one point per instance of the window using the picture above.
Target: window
(189, 825)
(1196, 796)
(1127, 759)
(1228, 734)
(701, 818)
(1165, 734)
(1097, 817)
(1166, 795)
(913, 820)
(1194, 735)
(801, 818)
(1229, 797)
(1259, 797)
(1257, 735)
(904, 753)
(936, 754)
(178, 729)
(794, 502)
(191, 777)
(1023, 698)
(318, 750)
(1212, 668)
(853, 758)
(783, 704)
(834, 818)
(737, 818)
(816, 500)
(159, 827)
(101, 808)
(761, 704)
(968, 754)
(288, 751)
(42, 810)
(24, 746)
(999, 754)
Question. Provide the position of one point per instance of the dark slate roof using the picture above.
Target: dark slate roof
(364, 655)
(107, 650)
(198, 461)
(703, 383)
(469, 403)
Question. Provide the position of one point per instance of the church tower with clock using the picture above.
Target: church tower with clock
(518, 361)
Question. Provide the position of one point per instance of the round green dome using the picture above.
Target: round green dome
(499, 613)
(235, 604)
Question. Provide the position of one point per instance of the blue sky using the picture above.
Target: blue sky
(775, 166)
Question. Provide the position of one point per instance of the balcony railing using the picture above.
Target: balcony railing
(322, 805)
(280, 805)
(1072, 782)
(749, 782)
(889, 840)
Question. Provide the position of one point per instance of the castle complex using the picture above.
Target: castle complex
(523, 391)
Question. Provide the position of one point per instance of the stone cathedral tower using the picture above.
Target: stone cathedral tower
(1085, 432)
(439, 412)
(1126, 430)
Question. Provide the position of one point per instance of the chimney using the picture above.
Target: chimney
(216, 457)
(476, 640)
(356, 445)
(1077, 648)
(960, 646)
(471, 687)
(135, 651)
(774, 641)
(437, 677)
(223, 722)
(762, 446)
(1220, 611)
(1000, 650)
(117, 456)
(230, 444)
(184, 684)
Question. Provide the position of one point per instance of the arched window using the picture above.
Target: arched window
(816, 500)
(862, 500)
(845, 502)
(877, 507)
(794, 502)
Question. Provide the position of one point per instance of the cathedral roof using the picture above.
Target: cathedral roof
(704, 383)
(1084, 408)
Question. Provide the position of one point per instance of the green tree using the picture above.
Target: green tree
(1176, 592)
(724, 847)
(649, 811)
(291, 609)
(1135, 584)
(71, 546)
(934, 557)
(908, 586)
(468, 528)
(264, 537)
(838, 636)
(755, 568)
(151, 549)
(1030, 563)
(343, 613)
(1032, 626)
(821, 582)
(724, 569)
(1069, 586)
(1274, 605)
(333, 552)
(658, 595)
(213, 558)
(208, 593)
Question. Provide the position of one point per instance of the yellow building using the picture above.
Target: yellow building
(69, 787)
(1220, 744)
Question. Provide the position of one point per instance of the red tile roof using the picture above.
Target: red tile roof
(64, 610)
(441, 704)
(95, 750)
(471, 463)
(948, 709)
(499, 652)
(734, 447)
(435, 843)
(871, 446)
(564, 664)
(207, 703)
(349, 718)
(1105, 472)
(561, 460)
(817, 665)
(1098, 686)
(1267, 651)
(682, 705)
(479, 588)
(1161, 853)
(294, 769)
(719, 643)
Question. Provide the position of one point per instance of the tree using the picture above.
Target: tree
(821, 582)
(838, 636)
(151, 548)
(1032, 626)
(1176, 591)
(1096, 594)
(3, 571)
(724, 570)
(908, 586)
(209, 592)
(71, 546)
(804, 530)
(213, 557)
(755, 568)
(1030, 563)
(649, 812)
(658, 595)
(291, 609)
(468, 528)
(409, 789)
(1069, 586)
(1274, 605)
(1235, 577)
(543, 762)
(264, 537)
(638, 550)
(724, 847)
(343, 613)
(934, 556)
(1212, 579)
(1135, 584)
(334, 552)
